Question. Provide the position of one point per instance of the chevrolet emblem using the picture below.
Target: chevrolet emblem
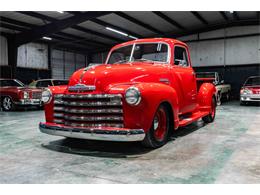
(82, 87)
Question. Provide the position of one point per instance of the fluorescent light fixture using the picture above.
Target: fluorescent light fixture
(121, 33)
(61, 12)
(47, 38)
(132, 37)
(231, 12)
(117, 31)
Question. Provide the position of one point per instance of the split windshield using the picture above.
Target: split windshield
(148, 52)
(253, 81)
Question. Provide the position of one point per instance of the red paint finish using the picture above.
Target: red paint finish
(157, 82)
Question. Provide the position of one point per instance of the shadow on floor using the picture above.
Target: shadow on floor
(112, 149)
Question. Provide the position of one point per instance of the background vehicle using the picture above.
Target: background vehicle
(250, 92)
(223, 90)
(44, 83)
(146, 89)
(14, 93)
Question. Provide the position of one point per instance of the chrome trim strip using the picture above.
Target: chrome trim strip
(58, 108)
(92, 111)
(72, 96)
(58, 115)
(120, 125)
(60, 102)
(58, 121)
(93, 118)
(92, 103)
(103, 134)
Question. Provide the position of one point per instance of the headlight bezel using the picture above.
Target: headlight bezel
(137, 95)
(49, 95)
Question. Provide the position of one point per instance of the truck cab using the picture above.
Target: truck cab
(145, 89)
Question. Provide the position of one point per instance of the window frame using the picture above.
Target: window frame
(188, 59)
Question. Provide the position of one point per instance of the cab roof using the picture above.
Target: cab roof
(151, 40)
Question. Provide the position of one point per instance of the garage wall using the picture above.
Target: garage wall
(99, 57)
(33, 55)
(3, 51)
(230, 46)
(64, 63)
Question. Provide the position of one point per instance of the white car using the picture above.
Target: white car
(222, 90)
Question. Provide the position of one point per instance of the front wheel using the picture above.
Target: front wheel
(211, 116)
(157, 136)
(7, 104)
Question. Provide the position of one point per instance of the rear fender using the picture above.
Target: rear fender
(152, 94)
(205, 94)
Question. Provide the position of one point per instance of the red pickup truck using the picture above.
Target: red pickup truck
(145, 89)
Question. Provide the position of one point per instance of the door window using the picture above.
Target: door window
(180, 56)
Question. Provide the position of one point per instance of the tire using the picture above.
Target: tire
(211, 116)
(157, 136)
(7, 104)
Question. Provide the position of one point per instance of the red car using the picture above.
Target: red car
(146, 89)
(13, 93)
(250, 92)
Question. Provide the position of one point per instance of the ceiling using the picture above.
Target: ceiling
(87, 31)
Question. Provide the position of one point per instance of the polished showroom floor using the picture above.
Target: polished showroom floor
(226, 151)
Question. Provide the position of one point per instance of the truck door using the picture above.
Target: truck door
(185, 77)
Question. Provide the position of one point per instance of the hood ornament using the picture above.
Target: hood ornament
(82, 88)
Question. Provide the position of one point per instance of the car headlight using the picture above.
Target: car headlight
(25, 95)
(46, 96)
(246, 91)
(133, 96)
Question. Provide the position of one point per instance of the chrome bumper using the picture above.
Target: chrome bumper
(103, 133)
(250, 98)
(32, 102)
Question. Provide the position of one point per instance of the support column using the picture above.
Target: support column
(12, 56)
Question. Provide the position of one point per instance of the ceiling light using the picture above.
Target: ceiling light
(121, 33)
(47, 38)
(61, 12)
(231, 12)
(132, 37)
(117, 31)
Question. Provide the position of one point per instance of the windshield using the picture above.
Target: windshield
(11, 83)
(150, 52)
(253, 81)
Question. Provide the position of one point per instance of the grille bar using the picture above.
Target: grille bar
(89, 110)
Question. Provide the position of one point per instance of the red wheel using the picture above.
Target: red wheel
(211, 116)
(158, 133)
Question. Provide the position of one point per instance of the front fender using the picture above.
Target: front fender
(152, 94)
(205, 94)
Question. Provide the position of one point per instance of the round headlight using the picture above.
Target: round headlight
(46, 96)
(247, 91)
(25, 95)
(133, 96)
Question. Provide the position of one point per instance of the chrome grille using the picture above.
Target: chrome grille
(36, 95)
(91, 110)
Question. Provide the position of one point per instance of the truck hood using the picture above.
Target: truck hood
(106, 75)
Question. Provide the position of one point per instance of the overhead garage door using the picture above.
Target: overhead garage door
(64, 63)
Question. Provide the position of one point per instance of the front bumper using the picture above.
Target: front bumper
(97, 133)
(29, 102)
(250, 98)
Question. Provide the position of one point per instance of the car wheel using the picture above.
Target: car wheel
(157, 136)
(7, 104)
(211, 116)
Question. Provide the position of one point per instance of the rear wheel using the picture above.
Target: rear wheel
(7, 104)
(211, 116)
(157, 136)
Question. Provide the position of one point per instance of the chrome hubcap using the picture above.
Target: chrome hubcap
(155, 123)
(7, 103)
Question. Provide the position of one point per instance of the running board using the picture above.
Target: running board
(194, 117)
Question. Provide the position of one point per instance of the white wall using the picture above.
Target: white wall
(3, 51)
(33, 55)
(225, 51)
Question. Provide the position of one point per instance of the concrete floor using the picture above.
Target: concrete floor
(226, 151)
